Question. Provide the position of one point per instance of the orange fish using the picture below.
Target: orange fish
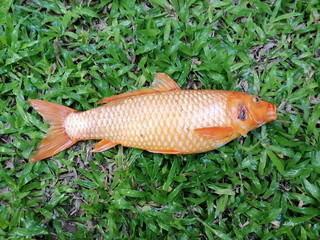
(161, 119)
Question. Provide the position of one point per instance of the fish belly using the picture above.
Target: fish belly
(155, 122)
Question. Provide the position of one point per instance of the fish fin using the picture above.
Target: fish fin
(103, 145)
(127, 94)
(243, 132)
(162, 83)
(166, 151)
(214, 133)
(56, 139)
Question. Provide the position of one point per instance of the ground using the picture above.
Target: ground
(263, 186)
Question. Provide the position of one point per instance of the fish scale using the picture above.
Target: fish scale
(157, 121)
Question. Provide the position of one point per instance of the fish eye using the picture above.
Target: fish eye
(256, 99)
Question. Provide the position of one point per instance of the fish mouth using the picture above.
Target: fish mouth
(271, 112)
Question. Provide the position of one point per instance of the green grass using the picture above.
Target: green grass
(265, 186)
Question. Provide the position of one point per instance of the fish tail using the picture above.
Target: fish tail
(56, 139)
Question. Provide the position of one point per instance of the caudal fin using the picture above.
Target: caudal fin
(56, 139)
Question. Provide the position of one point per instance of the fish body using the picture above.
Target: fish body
(161, 119)
(155, 122)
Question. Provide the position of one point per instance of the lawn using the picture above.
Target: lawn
(263, 186)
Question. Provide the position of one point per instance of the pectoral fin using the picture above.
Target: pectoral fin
(103, 145)
(214, 133)
(242, 131)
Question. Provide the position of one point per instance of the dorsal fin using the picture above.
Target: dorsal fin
(161, 83)
(127, 94)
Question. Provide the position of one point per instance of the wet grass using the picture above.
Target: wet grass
(264, 186)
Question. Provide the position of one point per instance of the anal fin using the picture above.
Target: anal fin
(103, 145)
(214, 133)
(166, 151)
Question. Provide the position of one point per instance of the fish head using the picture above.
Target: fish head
(250, 112)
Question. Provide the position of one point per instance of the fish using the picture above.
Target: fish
(160, 119)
